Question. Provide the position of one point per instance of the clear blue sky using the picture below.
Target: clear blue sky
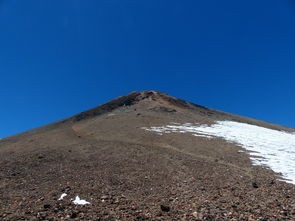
(61, 57)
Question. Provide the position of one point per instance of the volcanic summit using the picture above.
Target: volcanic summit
(149, 156)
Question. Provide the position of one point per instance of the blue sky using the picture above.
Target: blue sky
(58, 58)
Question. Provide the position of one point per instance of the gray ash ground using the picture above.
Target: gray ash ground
(126, 173)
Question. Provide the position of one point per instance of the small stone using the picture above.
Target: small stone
(255, 185)
(81, 215)
(47, 206)
(59, 208)
(116, 201)
(40, 199)
(74, 215)
(165, 208)
(141, 218)
(104, 197)
(111, 218)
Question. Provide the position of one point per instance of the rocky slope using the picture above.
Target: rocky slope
(126, 173)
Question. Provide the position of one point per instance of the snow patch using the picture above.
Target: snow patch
(62, 196)
(272, 148)
(78, 201)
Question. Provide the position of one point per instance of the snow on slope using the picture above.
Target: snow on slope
(62, 196)
(272, 148)
(79, 201)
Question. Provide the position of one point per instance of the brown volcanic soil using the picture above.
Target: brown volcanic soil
(127, 173)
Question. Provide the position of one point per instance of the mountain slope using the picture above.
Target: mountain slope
(106, 157)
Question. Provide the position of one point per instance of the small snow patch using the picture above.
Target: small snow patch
(62, 196)
(78, 201)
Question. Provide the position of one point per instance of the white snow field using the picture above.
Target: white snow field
(271, 148)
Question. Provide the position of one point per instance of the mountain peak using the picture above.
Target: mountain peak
(148, 98)
(149, 143)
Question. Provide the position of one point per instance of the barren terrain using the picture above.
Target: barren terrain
(127, 173)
